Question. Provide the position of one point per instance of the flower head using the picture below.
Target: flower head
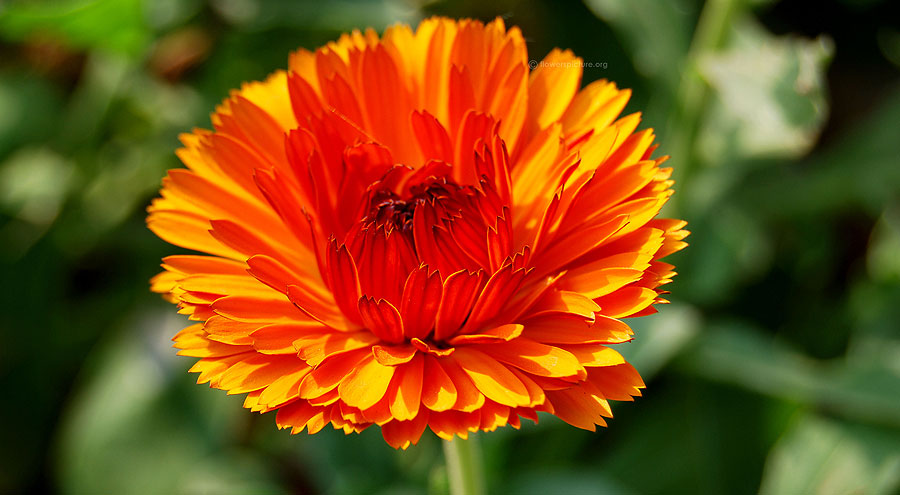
(415, 231)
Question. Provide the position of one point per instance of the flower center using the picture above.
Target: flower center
(387, 208)
(390, 209)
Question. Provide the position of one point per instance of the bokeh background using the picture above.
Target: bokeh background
(775, 370)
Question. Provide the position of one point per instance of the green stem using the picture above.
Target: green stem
(464, 466)
(682, 127)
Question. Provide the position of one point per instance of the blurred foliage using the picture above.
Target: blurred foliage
(776, 370)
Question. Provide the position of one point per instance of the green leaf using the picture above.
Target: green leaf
(568, 481)
(858, 171)
(29, 110)
(728, 248)
(820, 455)
(660, 337)
(112, 25)
(657, 34)
(129, 429)
(769, 95)
(866, 389)
(33, 184)
(882, 260)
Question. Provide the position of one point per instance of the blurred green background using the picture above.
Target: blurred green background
(775, 370)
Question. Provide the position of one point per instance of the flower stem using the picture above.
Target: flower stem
(464, 466)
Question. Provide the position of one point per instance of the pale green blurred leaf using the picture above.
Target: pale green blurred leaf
(99, 85)
(128, 423)
(112, 25)
(127, 175)
(883, 257)
(821, 456)
(34, 183)
(769, 95)
(865, 389)
(167, 13)
(875, 311)
(660, 337)
(862, 169)
(29, 110)
(570, 482)
(727, 248)
(339, 14)
(657, 34)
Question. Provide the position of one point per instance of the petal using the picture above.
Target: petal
(536, 358)
(575, 330)
(393, 355)
(344, 281)
(193, 341)
(551, 87)
(329, 373)
(255, 309)
(279, 339)
(438, 389)
(460, 291)
(595, 355)
(405, 391)
(402, 434)
(381, 318)
(497, 334)
(420, 301)
(366, 384)
(284, 389)
(315, 348)
(576, 407)
(491, 378)
(258, 371)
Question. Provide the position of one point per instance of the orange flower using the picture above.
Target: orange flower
(414, 231)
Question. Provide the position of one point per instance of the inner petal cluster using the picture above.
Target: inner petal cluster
(425, 251)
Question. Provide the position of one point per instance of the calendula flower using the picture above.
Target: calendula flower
(417, 231)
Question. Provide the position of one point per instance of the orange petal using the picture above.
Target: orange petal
(445, 424)
(491, 378)
(576, 407)
(279, 338)
(193, 341)
(285, 388)
(468, 397)
(619, 382)
(381, 318)
(257, 371)
(329, 373)
(254, 309)
(188, 230)
(314, 348)
(402, 434)
(405, 390)
(192, 264)
(438, 389)
(460, 290)
(551, 87)
(497, 334)
(366, 384)
(420, 301)
(595, 355)
(393, 355)
(536, 358)
(296, 415)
